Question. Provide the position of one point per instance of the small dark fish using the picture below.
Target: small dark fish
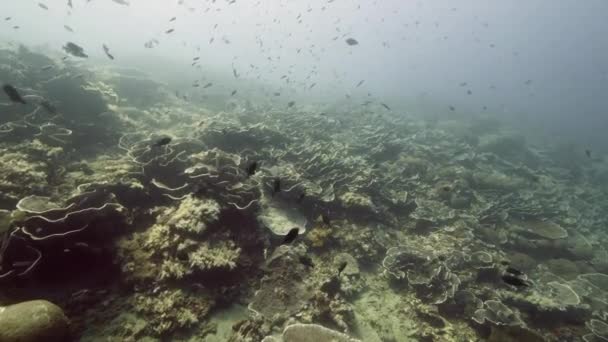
(515, 281)
(70, 4)
(43, 6)
(121, 2)
(16, 27)
(13, 94)
(8, 18)
(196, 58)
(233, 92)
(107, 52)
(341, 267)
(452, 108)
(236, 75)
(325, 219)
(162, 142)
(74, 50)
(276, 186)
(528, 82)
(208, 85)
(49, 107)
(351, 41)
(292, 235)
(169, 31)
(277, 94)
(290, 104)
(67, 28)
(514, 271)
(359, 84)
(252, 168)
(172, 19)
(385, 106)
(47, 67)
(588, 153)
(312, 85)
(306, 261)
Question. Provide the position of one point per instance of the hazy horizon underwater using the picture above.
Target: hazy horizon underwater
(297, 171)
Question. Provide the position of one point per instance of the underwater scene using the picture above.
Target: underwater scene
(303, 171)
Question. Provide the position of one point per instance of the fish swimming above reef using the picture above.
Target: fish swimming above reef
(162, 142)
(306, 261)
(252, 168)
(290, 104)
(67, 28)
(121, 2)
(359, 84)
(341, 267)
(588, 153)
(291, 236)
(514, 271)
(325, 219)
(13, 94)
(385, 106)
(75, 50)
(233, 92)
(514, 280)
(151, 44)
(43, 6)
(351, 41)
(107, 52)
(169, 31)
(301, 197)
(276, 186)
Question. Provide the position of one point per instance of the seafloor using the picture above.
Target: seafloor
(407, 226)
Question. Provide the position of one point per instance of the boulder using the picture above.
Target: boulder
(36, 320)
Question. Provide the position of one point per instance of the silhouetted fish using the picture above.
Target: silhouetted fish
(252, 168)
(588, 153)
(325, 219)
(292, 235)
(169, 31)
(74, 50)
(341, 267)
(233, 92)
(385, 106)
(290, 104)
(359, 84)
(13, 94)
(162, 142)
(351, 41)
(276, 186)
(514, 271)
(306, 261)
(43, 6)
(107, 52)
(513, 280)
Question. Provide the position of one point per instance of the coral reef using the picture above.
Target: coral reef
(144, 214)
